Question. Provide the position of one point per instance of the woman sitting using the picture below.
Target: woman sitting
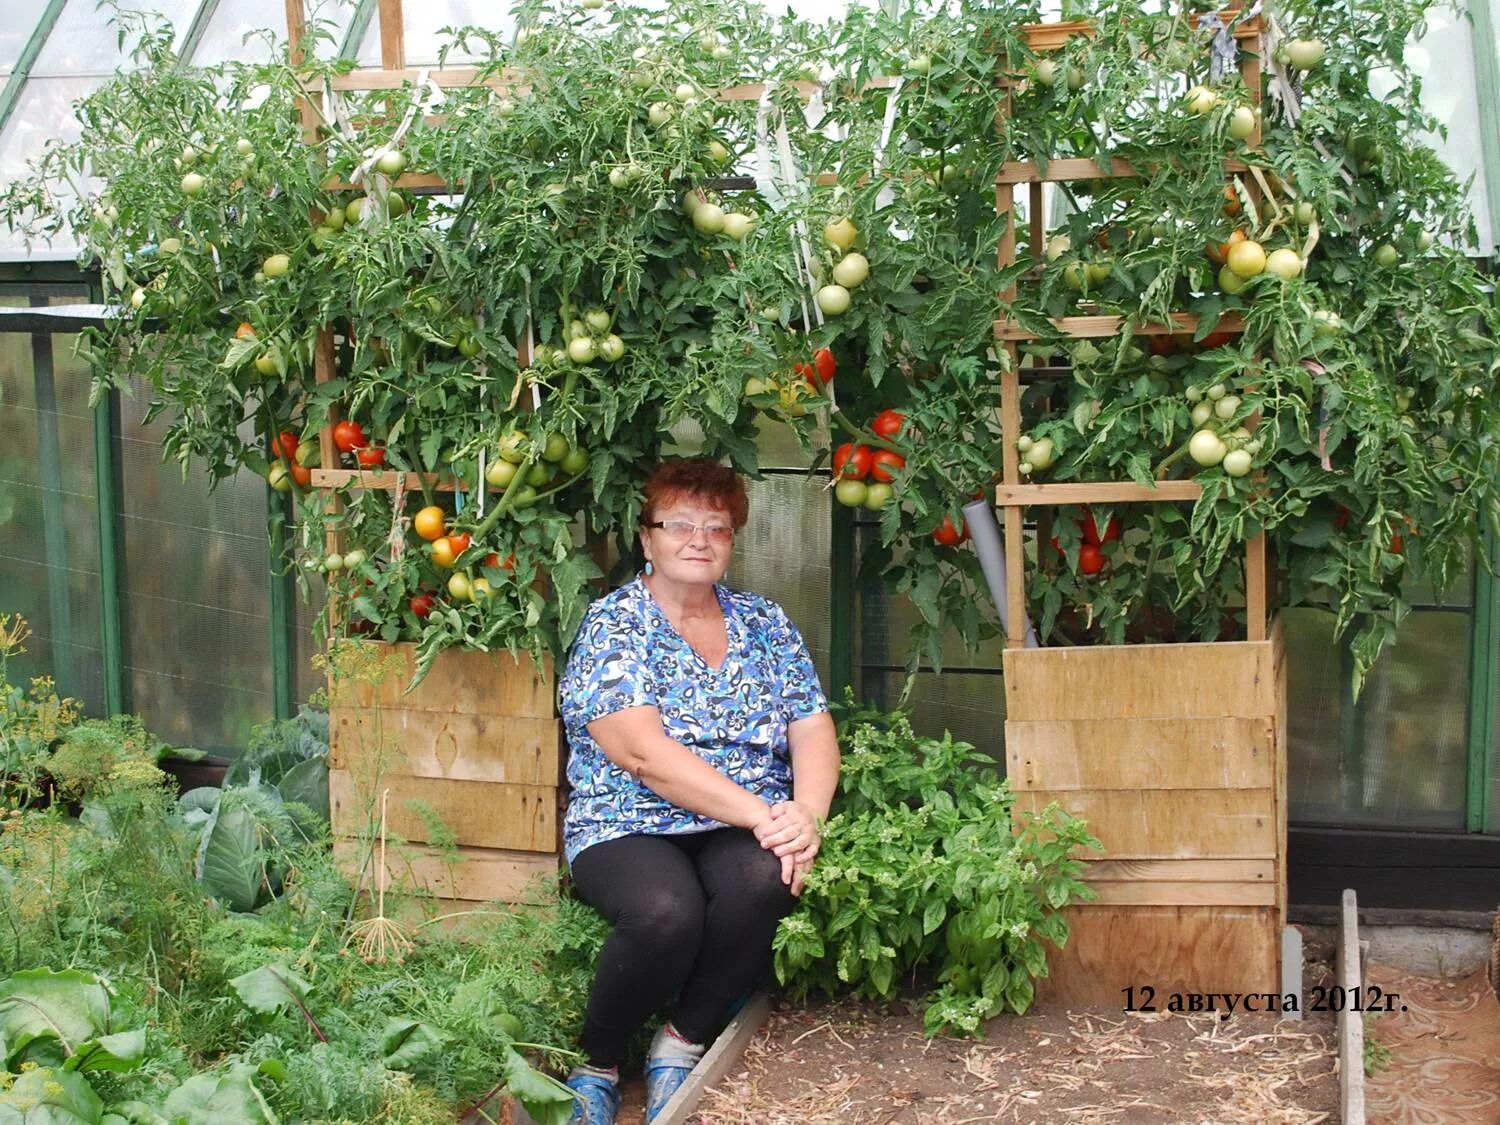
(702, 758)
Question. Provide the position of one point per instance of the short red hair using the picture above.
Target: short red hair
(699, 479)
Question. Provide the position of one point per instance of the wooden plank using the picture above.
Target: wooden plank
(383, 481)
(479, 813)
(469, 875)
(1186, 949)
(1036, 205)
(718, 1061)
(495, 748)
(1168, 823)
(1279, 750)
(392, 35)
(1156, 892)
(1005, 204)
(1097, 327)
(1145, 753)
(467, 681)
(1181, 871)
(1101, 492)
(1228, 679)
(1351, 1024)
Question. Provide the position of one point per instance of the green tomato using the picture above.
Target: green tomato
(851, 493)
(575, 462)
(539, 474)
(556, 448)
(877, 495)
(500, 473)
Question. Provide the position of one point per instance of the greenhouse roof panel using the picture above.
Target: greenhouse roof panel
(224, 38)
(86, 39)
(424, 23)
(16, 29)
(44, 112)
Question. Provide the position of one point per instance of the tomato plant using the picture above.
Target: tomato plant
(659, 297)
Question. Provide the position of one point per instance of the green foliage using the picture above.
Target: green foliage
(31, 721)
(924, 869)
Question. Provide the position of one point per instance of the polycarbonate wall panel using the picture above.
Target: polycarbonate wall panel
(49, 543)
(1399, 760)
(196, 589)
(305, 678)
(968, 705)
(16, 28)
(783, 552)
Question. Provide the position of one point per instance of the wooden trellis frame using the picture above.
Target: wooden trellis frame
(1014, 495)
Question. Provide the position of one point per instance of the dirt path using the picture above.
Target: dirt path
(861, 1064)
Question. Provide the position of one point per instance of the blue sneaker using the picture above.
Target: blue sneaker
(598, 1099)
(668, 1064)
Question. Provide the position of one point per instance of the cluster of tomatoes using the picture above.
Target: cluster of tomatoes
(797, 392)
(1091, 556)
(292, 461)
(448, 549)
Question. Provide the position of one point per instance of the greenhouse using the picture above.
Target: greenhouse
(588, 561)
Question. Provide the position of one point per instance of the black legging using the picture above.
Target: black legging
(695, 912)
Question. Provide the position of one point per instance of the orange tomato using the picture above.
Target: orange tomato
(429, 522)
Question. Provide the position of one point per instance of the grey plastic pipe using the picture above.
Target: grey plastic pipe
(989, 545)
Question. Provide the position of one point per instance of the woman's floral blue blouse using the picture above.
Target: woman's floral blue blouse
(627, 654)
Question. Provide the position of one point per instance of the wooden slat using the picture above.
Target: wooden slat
(1168, 823)
(383, 480)
(413, 180)
(1256, 608)
(515, 81)
(1350, 1025)
(1065, 169)
(477, 875)
(1228, 679)
(392, 35)
(466, 681)
(1236, 753)
(1186, 949)
(1278, 664)
(1102, 492)
(480, 814)
(1097, 327)
(1051, 36)
(727, 1050)
(440, 743)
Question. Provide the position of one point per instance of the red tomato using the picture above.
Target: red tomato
(852, 462)
(1341, 520)
(493, 560)
(884, 465)
(459, 541)
(824, 365)
(1217, 340)
(301, 474)
(1090, 559)
(422, 604)
(1161, 345)
(888, 423)
(1091, 530)
(950, 536)
(349, 436)
(284, 445)
(370, 457)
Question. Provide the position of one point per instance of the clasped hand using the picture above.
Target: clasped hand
(791, 834)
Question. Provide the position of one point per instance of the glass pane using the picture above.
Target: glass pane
(424, 37)
(224, 38)
(196, 591)
(43, 112)
(1444, 59)
(1398, 760)
(86, 39)
(49, 552)
(20, 21)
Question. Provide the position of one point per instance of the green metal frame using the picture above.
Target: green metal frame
(1487, 98)
(359, 23)
(196, 30)
(279, 609)
(107, 504)
(12, 92)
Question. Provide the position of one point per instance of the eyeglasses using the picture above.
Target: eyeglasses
(686, 529)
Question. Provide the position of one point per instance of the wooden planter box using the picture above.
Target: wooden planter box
(481, 744)
(1176, 757)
